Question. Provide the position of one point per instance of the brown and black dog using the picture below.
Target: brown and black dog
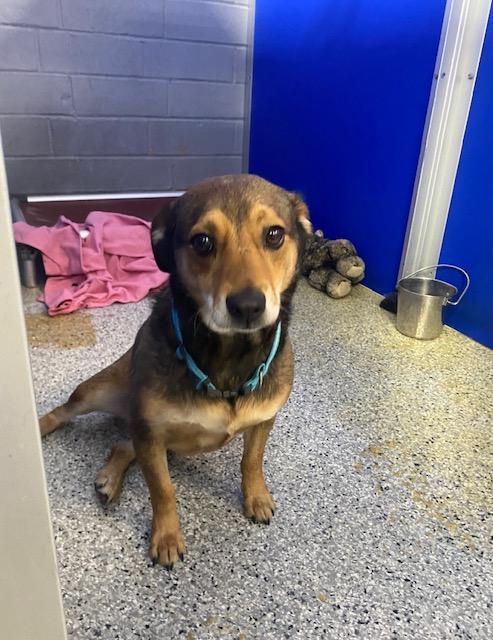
(233, 247)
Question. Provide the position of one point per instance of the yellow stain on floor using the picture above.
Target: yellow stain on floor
(446, 469)
(439, 446)
(69, 331)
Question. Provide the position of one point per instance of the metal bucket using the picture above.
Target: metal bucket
(420, 302)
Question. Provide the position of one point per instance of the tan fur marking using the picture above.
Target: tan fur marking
(206, 425)
(167, 544)
(258, 503)
(109, 479)
(301, 212)
(241, 260)
(214, 222)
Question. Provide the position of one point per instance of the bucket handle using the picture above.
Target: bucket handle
(448, 266)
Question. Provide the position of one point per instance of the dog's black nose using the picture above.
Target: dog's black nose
(246, 305)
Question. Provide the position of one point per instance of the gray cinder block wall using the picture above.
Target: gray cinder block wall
(121, 95)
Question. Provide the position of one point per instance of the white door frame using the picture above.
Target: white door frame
(30, 598)
(459, 53)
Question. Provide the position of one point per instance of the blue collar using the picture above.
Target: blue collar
(203, 382)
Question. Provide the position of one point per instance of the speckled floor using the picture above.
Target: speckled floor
(381, 465)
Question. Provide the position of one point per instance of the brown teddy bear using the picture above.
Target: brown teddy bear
(332, 266)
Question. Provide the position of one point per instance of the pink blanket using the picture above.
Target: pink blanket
(107, 259)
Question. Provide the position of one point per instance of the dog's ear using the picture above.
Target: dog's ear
(301, 213)
(162, 232)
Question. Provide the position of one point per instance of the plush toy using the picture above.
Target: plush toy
(332, 266)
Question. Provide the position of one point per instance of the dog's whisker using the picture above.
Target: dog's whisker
(195, 323)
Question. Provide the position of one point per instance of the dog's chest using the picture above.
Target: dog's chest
(207, 425)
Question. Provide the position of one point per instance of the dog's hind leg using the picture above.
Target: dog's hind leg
(106, 391)
(109, 479)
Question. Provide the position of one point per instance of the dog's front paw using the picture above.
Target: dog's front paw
(259, 507)
(108, 485)
(166, 547)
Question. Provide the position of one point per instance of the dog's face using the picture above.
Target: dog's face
(234, 244)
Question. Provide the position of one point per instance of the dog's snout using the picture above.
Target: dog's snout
(247, 305)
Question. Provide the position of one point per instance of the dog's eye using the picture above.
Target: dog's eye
(274, 237)
(202, 244)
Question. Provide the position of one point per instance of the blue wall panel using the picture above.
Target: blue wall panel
(340, 92)
(468, 237)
